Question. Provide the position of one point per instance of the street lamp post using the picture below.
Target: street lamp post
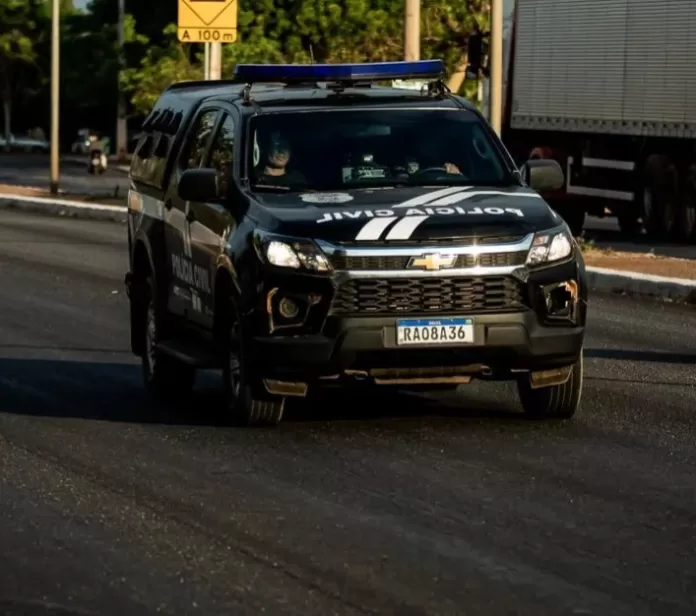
(121, 126)
(55, 96)
(412, 30)
(496, 66)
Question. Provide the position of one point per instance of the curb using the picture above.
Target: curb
(64, 208)
(633, 284)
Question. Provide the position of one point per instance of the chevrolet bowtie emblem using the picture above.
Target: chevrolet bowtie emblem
(433, 262)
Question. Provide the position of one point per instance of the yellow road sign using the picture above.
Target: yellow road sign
(207, 21)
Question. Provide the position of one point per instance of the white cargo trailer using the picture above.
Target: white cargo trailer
(608, 89)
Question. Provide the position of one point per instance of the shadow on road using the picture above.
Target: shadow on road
(647, 356)
(111, 391)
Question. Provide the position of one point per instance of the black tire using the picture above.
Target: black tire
(164, 377)
(660, 200)
(687, 211)
(246, 401)
(556, 401)
(573, 215)
(629, 224)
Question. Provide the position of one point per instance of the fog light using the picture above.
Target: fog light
(288, 309)
(561, 299)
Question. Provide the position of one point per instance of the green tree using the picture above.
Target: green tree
(273, 31)
(23, 25)
(90, 69)
(161, 67)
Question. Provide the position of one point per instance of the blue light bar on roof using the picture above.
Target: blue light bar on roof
(374, 71)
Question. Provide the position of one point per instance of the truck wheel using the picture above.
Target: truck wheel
(659, 198)
(247, 403)
(687, 211)
(573, 216)
(556, 401)
(629, 224)
(164, 377)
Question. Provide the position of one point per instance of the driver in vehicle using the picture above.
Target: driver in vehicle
(430, 156)
(412, 167)
(274, 171)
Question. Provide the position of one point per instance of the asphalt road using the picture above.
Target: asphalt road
(449, 504)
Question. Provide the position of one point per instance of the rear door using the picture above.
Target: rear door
(182, 274)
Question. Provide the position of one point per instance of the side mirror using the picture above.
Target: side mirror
(199, 185)
(543, 174)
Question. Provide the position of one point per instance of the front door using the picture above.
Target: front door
(209, 224)
(182, 274)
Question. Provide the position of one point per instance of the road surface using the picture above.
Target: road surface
(450, 504)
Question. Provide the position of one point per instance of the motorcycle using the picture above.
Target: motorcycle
(97, 162)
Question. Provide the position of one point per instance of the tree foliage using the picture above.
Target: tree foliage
(22, 28)
(269, 31)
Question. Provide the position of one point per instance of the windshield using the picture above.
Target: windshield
(337, 149)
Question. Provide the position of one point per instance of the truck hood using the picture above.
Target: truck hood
(404, 214)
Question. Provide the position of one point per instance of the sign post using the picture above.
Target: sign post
(207, 21)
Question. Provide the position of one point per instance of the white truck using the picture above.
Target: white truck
(608, 89)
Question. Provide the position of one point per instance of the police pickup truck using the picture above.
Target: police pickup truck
(302, 225)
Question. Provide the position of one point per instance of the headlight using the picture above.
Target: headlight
(550, 247)
(294, 255)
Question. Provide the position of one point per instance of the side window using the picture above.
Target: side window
(193, 155)
(222, 153)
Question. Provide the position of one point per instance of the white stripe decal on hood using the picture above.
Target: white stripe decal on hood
(427, 198)
(403, 230)
(373, 229)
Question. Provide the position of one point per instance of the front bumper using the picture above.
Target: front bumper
(526, 338)
(503, 342)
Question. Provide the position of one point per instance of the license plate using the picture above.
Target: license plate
(434, 331)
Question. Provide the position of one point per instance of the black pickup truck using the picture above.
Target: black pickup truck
(303, 224)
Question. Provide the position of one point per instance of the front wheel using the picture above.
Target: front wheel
(246, 401)
(555, 401)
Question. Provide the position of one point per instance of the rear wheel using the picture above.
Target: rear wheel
(555, 401)
(247, 403)
(163, 376)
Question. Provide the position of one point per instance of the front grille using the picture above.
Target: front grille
(493, 259)
(445, 241)
(463, 295)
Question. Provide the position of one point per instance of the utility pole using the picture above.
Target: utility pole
(55, 96)
(206, 62)
(121, 125)
(412, 30)
(215, 70)
(496, 66)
